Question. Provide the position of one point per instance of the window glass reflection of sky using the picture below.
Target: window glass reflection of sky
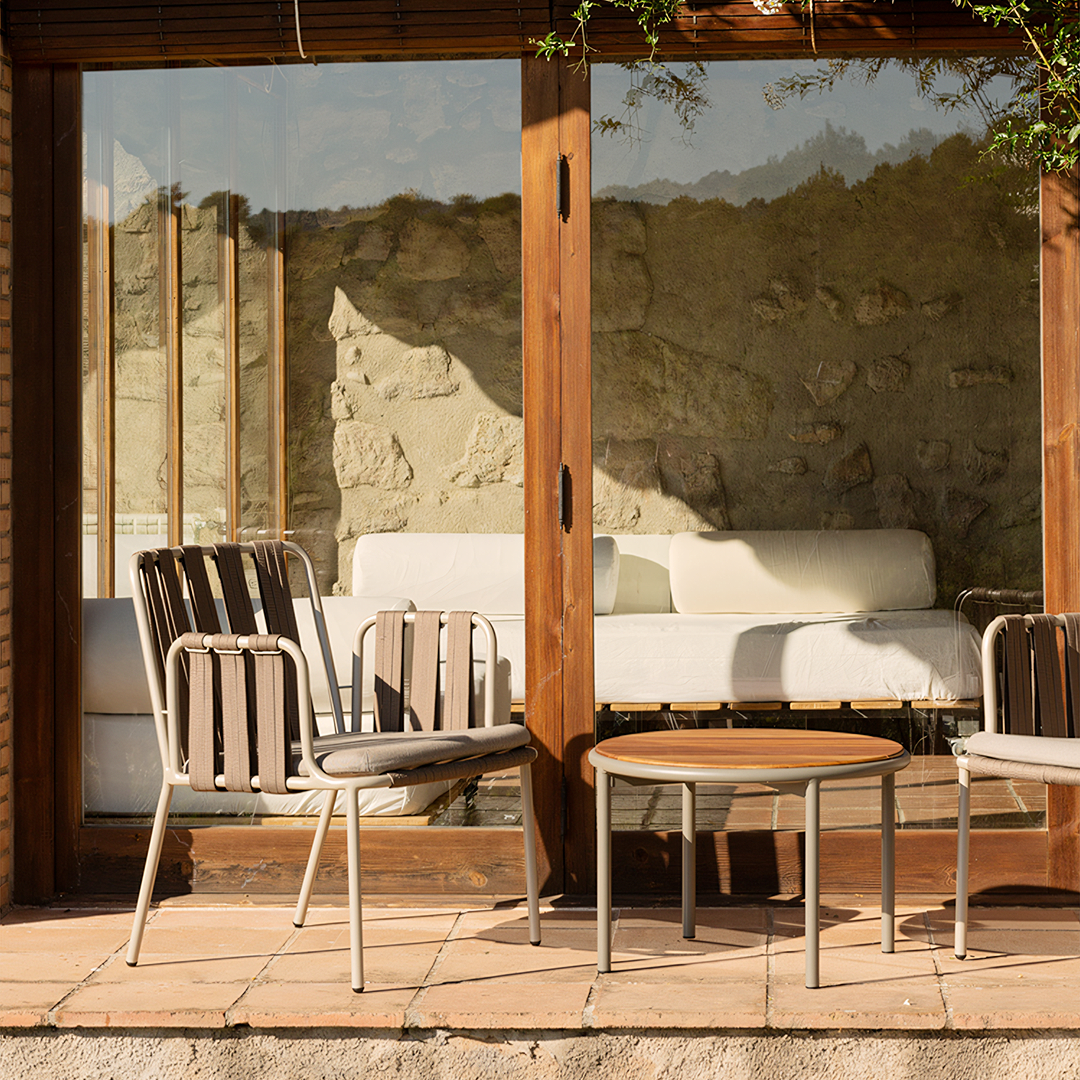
(354, 134)
(850, 128)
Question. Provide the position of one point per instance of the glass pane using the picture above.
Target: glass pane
(342, 244)
(816, 317)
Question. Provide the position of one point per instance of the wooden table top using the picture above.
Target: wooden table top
(748, 748)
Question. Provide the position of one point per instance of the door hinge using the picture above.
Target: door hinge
(563, 496)
(564, 187)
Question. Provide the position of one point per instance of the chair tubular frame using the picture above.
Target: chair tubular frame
(166, 698)
(990, 721)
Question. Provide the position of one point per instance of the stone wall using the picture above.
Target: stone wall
(842, 356)
(5, 479)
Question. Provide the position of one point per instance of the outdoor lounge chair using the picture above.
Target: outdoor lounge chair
(1037, 738)
(232, 707)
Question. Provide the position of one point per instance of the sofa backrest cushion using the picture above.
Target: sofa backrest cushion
(802, 572)
(643, 574)
(482, 572)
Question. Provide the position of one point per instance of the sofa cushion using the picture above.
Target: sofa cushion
(113, 678)
(482, 572)
(802, 572)
(643, 574)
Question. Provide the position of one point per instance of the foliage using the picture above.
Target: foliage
(650, 15)
(1051, 31)
(683, 92)
(1039, 125)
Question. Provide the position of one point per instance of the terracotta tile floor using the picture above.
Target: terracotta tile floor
(472, 968)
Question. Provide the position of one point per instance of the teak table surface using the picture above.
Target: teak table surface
(747, 748)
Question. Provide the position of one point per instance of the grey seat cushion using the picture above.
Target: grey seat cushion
(374, 753)
(1032, 749)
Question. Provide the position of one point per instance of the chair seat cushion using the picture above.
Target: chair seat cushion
(1032, 749)
(370, 753)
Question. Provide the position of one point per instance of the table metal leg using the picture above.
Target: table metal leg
(689, 859)
(963, 857)
(812, 901)
(888, 863)
(603, 871)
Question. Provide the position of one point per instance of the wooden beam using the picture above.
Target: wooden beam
(218, 858)
(1060, 287)
(46, 481)
(541, 373)
(575, 409)
(765, 863)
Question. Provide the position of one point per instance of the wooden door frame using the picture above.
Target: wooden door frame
(54, 852)
(557, 370)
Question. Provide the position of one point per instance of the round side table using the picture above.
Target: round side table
(789, 760)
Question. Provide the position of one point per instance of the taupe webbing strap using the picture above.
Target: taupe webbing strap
(203, 609)
(239, 762)
(424, 680)
(1019, 709)
(1049, 687)
(202, 714)
(238, 607)
(1072, 673)
(271, 713)
(389, 676)
(458, 705)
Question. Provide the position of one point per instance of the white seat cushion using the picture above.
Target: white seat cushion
(1031, 749)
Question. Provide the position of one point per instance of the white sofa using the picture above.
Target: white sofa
(733, 617)
(695, 618)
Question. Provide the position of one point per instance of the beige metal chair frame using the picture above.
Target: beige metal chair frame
(233, 710)
(1040, 721)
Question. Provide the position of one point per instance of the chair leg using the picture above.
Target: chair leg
(528, 827)
(153, 857)
(306, 889)
(356, 938)
(963, 855)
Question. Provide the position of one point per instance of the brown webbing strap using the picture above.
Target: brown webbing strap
(424, 679)
(273, 575)
(271, 719)
(389, 676)
(203, 609)
(174, 623)
(202, 740)
(1049, 687)
(1072, 674)
(458, 706)
(154, 594)
(1019, 711)
(238, 609)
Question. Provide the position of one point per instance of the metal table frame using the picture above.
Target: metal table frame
(805, 781)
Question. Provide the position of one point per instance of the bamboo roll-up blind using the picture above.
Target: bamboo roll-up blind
(100, 30)
(88, 30)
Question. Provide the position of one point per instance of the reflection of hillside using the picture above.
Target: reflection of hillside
(845, 354)
(834, 149)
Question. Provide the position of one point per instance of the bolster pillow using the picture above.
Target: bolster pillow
(802, 572)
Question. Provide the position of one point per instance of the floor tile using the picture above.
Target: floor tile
(525, 1003)
(162, 1003)
(323, 1004)
(27, 1004)
(622, 1001)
